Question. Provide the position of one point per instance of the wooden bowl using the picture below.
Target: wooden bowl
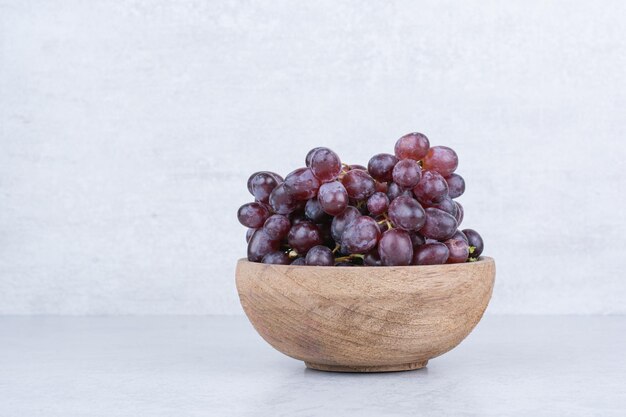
(365, 319)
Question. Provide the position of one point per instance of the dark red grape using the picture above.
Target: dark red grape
(459, 213)
(325, 165)
(432, 188)
(372, 258)
(459, 250)
(475, 240)
(447, 204)
(417, 239)
(412, 146)
(439, 224)
(249, 234)
(407, 173)
(459, 235)
(276, 258)
(303, 236)
(359, 184)
(262, 184)
(406, 213)
(260, 245)
(441, 159)
(395, 248)
(456, 185)
(281, 201)
(253, 215)
(298, 261)
(378, 203)
(381, 187)
(431, 254)
(381, 166)
(309, 156)
(314, 211)
(320, 256)
(301, 184)
(277, 226)
(342, 220)
(361, 235)
(394, 191)
(333, 198)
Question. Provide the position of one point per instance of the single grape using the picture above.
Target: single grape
(378, 203)
(277, 226)
(276, 258)
(253, 215)
(459, 235)
(439, 224)
(359, 184)
(475, 240)
(431, 254)
(301, 184)
(249, 234)
(309, 156)
(325, 165)
(447, 204)
(340, 222)
(381, 166)
(281, 201)
(412, 146)
(320, 256)
(262, 184)
(372, 258)
(406, 213)
(417, 239)
(394, 191)
(252, 178)
(431, 189)
(361, 235)
(459, 213)
(459, 250)
(298, 261)
(333, 198)
(303, 236)
(407, 173)
(260, 245)
(456, 185)
(441, 159)
(395, 248)
(314, 211)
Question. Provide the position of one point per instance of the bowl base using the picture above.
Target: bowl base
(381, 368)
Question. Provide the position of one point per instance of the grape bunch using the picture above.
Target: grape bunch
(399, 210)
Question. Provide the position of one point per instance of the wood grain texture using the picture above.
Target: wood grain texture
(365, 319)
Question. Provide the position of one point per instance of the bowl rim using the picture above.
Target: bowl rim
(482, 260)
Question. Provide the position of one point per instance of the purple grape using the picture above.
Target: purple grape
(249, 234)
(381, 166)
(447, 204)
(320, 256)
(297, 217)
(277, 226)
(459, 213)
(276, 258)
(475, 240)
(439, 224)
(309, 156)
(253, 215)
(262, 184)
(407, 173)
(359, 184)
(381, 187)
(260, 245)
(459, 235)
(333, 198)
(459, 250)
(417, 239)
(314, 211)
(301, 184)
(361, 235)
(252, 178)
(303, 236)
(441, 159)
(378, 203)
(298, 261)
(340, 222)
(456, 185)
(281, 201)
(394, 191)
(406, 213)
(432, 188)
(431, 254)
(412, 146)
(325, 165)
(395, 248)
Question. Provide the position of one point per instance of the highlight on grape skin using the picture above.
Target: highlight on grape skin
(400, 210)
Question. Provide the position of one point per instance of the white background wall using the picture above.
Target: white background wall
(128, 130)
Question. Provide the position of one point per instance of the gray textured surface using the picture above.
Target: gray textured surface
(217, 366)
(128, 129)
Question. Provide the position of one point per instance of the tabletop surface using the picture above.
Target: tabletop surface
(219, 366)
